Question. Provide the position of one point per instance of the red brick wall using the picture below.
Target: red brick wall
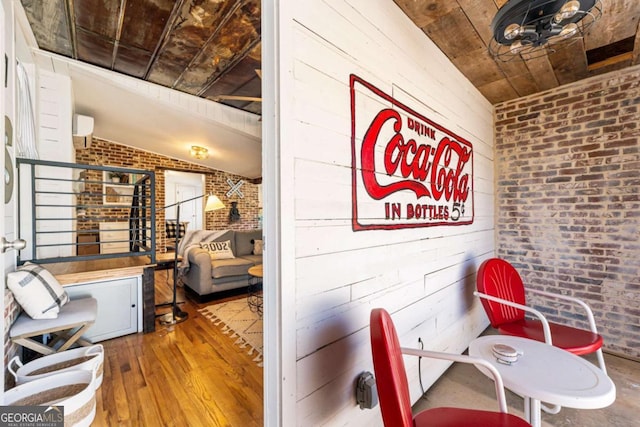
(568, 198)
(107, 153)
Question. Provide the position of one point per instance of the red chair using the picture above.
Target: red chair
(393, 389)
(502, 295)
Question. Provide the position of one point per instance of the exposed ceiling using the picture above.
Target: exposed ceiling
(207, 48)
(461, 29)
(210, 48)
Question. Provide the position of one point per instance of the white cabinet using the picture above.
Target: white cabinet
(119, 306)
(114, 237)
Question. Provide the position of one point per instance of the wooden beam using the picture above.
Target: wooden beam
(611, 61)
(542, 72)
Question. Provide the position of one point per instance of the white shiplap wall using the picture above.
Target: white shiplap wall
(53, 109)
(424, 277)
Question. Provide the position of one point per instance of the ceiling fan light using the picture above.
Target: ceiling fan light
(569, 30)
(516, 47)
(512, 31)
(568, 10)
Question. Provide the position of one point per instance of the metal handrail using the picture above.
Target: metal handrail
(60, 202)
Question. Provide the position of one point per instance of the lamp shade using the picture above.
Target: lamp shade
(213, 203)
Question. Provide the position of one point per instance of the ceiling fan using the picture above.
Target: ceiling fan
(240, 97)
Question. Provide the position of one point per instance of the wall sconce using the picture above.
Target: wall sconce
(199, 152)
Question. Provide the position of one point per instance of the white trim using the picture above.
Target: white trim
(279, 218)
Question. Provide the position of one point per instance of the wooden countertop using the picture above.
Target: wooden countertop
(98, 275)
(69, 273)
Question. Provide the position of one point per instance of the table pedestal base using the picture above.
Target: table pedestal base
(532, 412)
(254, 297)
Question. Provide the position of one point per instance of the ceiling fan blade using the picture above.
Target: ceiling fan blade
(237, 98)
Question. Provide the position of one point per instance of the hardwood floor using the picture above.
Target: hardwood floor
(189, 374)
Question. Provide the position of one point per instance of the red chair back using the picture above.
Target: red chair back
(498, 278)
(391, 378)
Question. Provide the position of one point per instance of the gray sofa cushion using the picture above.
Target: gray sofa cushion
(229, 267)
(244, 244)
(255, 259)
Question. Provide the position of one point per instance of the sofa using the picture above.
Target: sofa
(204, 275)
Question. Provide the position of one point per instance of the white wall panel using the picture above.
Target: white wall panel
(423, 276)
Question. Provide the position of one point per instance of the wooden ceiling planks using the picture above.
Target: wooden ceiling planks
(498, 91)
(479, 67)
(635, 60)
(519, 76)
(454, 34)
(542, 73)
(424, 12)
(480, 13)
(619, 21)
(569, 62)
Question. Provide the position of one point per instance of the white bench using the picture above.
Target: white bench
(73, 320)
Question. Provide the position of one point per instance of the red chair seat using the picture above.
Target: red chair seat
(576, 341)
(456, 417)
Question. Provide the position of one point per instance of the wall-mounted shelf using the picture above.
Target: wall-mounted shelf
(117, 190)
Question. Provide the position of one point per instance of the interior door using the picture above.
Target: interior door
(181, 186)
(190, 211)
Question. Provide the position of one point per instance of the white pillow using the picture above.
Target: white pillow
(37, 291)
(257, 247)
(218, 250)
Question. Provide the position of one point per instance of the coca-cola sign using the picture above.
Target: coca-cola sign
(408, 171)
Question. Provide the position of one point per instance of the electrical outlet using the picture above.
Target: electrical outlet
(366, 392)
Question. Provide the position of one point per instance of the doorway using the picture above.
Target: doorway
(179, 186)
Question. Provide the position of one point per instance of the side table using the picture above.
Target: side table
(254, 297)
(545, 373)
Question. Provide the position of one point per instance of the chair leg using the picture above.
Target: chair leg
(33, 345)
(67, 337)
(74, 337)
(601, 361)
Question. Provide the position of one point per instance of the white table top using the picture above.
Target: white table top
(548, 374)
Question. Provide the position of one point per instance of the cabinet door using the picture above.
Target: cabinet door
(117, 307)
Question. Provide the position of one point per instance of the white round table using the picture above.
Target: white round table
(547, 374)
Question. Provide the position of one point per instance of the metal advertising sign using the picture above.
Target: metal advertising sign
(407, 170)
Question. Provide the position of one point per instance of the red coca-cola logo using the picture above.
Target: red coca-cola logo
(408, 171)
(441, 166)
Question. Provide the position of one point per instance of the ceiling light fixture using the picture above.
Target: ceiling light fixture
(533, 28)
(199, 152)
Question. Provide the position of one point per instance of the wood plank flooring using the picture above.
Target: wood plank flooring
(189, 374)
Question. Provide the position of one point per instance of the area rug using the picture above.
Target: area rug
(241, 324)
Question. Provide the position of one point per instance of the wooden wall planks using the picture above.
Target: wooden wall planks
(423, 276)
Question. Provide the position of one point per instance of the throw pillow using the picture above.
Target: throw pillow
(218, 250)
(257, 247)
(172, 228)
(37, 291)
